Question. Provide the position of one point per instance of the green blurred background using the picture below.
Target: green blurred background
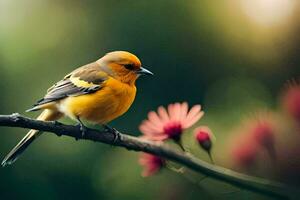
(233, 57)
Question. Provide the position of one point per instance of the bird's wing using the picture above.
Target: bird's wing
(84, 80)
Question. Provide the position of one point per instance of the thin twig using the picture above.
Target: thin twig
(259, 185)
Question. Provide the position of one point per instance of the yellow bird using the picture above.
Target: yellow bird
(97, 92)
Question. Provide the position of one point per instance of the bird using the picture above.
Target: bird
(98, 92)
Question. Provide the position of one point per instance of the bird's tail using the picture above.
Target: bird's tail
(13, 155)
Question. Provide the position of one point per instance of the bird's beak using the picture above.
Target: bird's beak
(143, 71)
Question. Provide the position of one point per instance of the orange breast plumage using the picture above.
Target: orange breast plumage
(102, 106)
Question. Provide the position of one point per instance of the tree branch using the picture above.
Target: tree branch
(255, 184)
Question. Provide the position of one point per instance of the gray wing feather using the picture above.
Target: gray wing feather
(66, 87)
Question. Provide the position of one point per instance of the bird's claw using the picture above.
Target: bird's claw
(83, 129)
(114, 131)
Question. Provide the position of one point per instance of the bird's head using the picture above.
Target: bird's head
(123, 66)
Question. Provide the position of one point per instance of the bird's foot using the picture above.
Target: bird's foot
(114, 131)
(82, 128)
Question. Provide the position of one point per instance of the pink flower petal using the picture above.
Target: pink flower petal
(151, 126)
(143, 161)
(194, 111)
(153, 117)
(154, 127)
(150, 163)
(171, 111)
(151, 170)
(151, 134)
(146, 130)
(176, 112)
(163, 114)
(193, 120)
(184, 110)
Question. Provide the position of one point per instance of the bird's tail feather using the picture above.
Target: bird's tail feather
(13, 155)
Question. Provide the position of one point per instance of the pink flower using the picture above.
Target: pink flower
(151, 163)
(257, 133)
(171, 122)
(203, 136)
(245, 154)
(263, 133)
(291, 101)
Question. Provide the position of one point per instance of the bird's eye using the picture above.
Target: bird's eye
(129, 66)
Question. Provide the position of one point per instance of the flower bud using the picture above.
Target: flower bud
(203, 136)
